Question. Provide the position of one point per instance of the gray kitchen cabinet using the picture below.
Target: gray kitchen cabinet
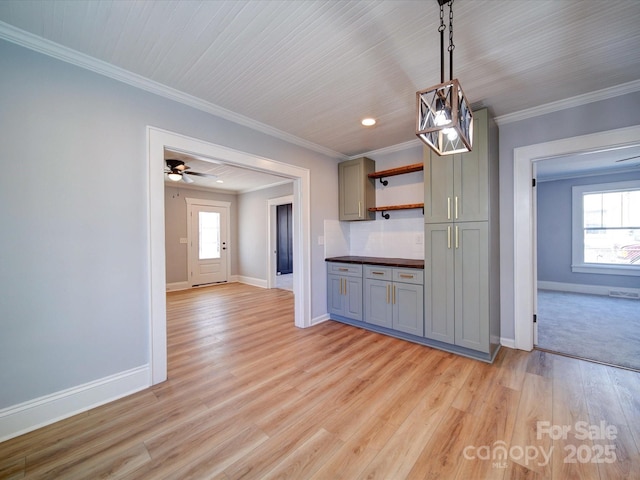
(357, 192)
(344, 290)
(457, 284)
(456, 186)
(461, 286)
(394, 298)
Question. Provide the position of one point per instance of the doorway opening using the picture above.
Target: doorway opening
(274, 279)
(524, 256)
(158, 140)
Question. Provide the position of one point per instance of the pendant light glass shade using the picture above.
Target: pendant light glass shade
(445, 120)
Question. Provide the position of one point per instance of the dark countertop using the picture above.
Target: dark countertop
(386, 262)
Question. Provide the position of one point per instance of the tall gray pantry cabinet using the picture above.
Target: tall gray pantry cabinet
(461, 273)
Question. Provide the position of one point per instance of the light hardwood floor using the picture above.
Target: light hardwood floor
(250, 395)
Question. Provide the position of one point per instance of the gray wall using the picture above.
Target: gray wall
(618, 112)
(554, 233)
(175, 227)
(74, 249)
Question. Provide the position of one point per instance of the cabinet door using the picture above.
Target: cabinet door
(438, 187)
(408, 308)
(457, 186)
(356, 190)
(472, 285)
(377, 301)
(353, 298)
(471, 176)
(439, 282)
(335, 296)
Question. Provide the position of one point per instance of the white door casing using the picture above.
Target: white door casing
(157, 141)
(524, 274)
(272, 203)
(214, 267)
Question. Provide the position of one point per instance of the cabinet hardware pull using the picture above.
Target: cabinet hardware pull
(456, 206)
(377, 273)
(343, 269)
(394, 294)
(448, 208)
(388, 292)
(457, 243)
(406, 275)
(359, 209)
(449, 236)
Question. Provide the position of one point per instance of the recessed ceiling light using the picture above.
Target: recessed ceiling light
(368, 122)
(219, 181)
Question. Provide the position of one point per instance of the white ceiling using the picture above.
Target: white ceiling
(309, 70)
(226, 177)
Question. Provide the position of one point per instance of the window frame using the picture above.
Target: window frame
(578, 264)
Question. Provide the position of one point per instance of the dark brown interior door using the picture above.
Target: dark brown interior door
(284, 243)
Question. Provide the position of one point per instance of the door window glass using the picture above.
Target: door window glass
(208, 235)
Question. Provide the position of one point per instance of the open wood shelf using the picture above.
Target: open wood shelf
(408, 206)
(416, 167)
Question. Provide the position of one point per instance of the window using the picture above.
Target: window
(606, 228)
(208, 235)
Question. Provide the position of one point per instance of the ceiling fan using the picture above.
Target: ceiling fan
(177, 170)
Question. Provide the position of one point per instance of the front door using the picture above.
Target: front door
(208, 244)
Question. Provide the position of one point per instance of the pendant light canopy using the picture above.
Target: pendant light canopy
(444, 117)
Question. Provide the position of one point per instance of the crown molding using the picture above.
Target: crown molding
(571, 102)
(68, 55)
(387, 150)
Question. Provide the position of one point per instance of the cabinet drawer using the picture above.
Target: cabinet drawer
(348, 269)
(408, 275)
(378, 273)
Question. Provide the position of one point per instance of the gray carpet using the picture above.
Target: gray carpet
(595, 327)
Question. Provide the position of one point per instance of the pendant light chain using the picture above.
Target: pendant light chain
(451, 45)
(441, 29)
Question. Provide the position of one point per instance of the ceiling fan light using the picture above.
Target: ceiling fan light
(175, 176)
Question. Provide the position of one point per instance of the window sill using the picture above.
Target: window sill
(609, 269)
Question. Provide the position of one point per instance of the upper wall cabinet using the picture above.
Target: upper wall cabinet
(457, 186)
(357, 192)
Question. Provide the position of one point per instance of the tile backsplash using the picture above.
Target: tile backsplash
(401, 237)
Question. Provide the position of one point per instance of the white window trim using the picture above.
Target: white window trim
(577, 238)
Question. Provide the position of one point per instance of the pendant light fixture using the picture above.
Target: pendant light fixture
(445, 120)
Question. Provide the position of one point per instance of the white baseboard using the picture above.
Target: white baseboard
(578, 288)
(256, 282)
(173, 287)
(36, 413)
(320, 319)
(508, 342)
